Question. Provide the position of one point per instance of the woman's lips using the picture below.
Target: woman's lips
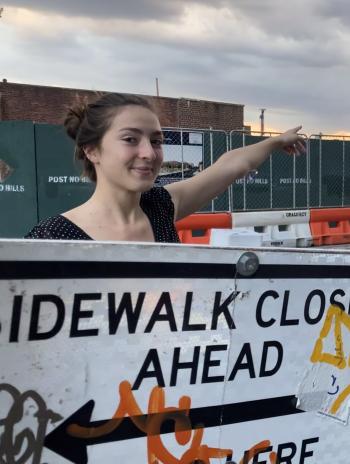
(143, 170)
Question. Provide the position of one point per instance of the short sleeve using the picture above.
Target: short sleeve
(159, 207)
(57, 228)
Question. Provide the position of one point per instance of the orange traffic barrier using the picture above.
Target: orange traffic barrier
(196, 228)
(330, 226)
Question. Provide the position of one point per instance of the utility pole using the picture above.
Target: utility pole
(262, 120)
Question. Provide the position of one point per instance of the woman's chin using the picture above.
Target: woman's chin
(143, 186)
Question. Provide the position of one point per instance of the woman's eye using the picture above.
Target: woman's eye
(157, 142)
(130, 139)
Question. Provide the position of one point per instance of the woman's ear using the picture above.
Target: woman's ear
(92, 154)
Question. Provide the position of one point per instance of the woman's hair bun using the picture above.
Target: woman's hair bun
(74, 118)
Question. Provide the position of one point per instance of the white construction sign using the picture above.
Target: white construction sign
(170, 354)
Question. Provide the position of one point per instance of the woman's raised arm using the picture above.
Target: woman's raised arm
(192, 194)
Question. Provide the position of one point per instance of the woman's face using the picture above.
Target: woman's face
(130, 155)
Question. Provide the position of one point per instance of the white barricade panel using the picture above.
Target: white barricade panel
(291, 235)
(239, 237)
(173, 354)
(266, 218)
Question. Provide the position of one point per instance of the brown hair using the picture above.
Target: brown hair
(86, 123)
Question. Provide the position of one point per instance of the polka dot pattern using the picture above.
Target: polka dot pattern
(156, 203)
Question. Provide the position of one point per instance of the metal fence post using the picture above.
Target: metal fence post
(271, 193)
(308, 172)
(343, 175)
(182, 155)
(229, 192)
(294, 180)
(320, 172)
(211, 160)
(244, 181)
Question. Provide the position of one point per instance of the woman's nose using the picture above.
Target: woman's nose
(147, 150)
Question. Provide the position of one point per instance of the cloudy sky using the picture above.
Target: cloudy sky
(290, 57)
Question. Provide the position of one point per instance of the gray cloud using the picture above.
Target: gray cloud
(336, 9)
(122, 9)
(292, 59)
(139, 10)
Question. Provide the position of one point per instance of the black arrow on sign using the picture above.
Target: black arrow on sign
(74, 448)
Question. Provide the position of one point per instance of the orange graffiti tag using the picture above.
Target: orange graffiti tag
(151, 424)
(258, 448)
(340, 318)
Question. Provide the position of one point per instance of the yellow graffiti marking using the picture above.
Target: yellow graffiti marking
(339, 317)
(338, 360)
(340, 399)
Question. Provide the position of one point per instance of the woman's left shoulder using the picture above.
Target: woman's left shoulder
(156, 194)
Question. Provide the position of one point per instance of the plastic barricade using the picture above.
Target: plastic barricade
(294, 228)
(292, 235)
(196, 228)
(277, 228)
(330, 226)
(263, 228)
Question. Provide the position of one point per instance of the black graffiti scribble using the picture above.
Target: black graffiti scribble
(27, 441)
(333, 383)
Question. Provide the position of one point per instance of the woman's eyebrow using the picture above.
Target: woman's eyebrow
(139, 131)
(131, 129)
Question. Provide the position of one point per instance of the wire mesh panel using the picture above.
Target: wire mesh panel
(328, 170)
(282, 180)
(258, 187)
(332, 165)
(315, 154)
(301, 179)
(254, 191)
(215, 144)
(183, 155)
(289, 180)
(187, 152)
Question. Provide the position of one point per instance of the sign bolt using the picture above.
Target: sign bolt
(248, 264)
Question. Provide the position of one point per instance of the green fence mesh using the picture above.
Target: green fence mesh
(38, 177)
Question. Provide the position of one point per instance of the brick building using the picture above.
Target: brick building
(49, 104)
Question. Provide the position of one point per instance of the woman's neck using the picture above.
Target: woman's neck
(115, 206)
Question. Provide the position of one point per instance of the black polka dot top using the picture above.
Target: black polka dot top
(156, 203)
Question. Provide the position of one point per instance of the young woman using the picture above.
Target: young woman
(119, 140)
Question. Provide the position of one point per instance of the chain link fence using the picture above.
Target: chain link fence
(321, 178)
(280, 182)
(38, 177)
(189, 151)
(329, 170)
